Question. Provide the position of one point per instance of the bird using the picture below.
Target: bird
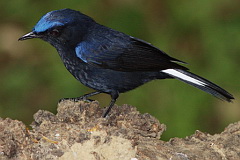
(110, 61)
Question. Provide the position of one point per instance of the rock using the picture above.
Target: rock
(78, 131)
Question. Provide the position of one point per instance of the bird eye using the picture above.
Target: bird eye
(55, 32)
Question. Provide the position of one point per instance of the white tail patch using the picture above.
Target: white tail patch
(182, 76)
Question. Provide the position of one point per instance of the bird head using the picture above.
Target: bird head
(60, 27)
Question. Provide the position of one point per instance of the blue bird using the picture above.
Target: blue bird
(110, 61)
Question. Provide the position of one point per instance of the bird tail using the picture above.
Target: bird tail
(199, 83)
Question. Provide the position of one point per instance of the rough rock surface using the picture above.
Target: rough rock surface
(78, 132)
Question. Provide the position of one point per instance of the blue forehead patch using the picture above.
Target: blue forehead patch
(42, 27)
(46, 22)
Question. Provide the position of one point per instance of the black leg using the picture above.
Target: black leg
(114, 96)
(84, 97)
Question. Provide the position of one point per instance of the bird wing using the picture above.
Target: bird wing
(125, 54)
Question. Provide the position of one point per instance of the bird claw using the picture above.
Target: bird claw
(88, 100)
(76, 99)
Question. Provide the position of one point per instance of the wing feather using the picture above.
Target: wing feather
(120, 52)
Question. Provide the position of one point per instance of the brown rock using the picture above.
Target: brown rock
(79, 132)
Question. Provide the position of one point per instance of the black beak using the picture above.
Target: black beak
(29, 35)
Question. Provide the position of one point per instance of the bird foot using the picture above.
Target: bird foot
(76, 99)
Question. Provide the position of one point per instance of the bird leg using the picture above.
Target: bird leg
(82, 98)
(114, 96)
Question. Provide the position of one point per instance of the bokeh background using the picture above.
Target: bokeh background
(204, 33)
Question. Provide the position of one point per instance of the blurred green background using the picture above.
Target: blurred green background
(206, 34)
